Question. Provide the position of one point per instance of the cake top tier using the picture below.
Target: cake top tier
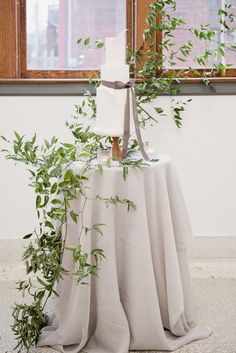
(116, 49)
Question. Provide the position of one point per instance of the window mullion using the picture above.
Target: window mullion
(141, 13)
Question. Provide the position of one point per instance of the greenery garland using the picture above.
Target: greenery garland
(56, 185)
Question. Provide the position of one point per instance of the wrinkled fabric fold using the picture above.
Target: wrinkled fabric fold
(142, 298)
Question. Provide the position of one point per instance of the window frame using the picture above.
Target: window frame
(8, 42)
(13, 41)
(13, 57)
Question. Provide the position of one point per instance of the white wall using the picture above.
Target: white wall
(203, 152)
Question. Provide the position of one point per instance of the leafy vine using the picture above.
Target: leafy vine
(56, 185)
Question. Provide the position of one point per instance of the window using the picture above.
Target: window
(38, 38)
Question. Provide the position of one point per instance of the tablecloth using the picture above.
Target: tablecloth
(142, 297)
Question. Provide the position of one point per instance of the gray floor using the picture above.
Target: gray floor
(215, 298)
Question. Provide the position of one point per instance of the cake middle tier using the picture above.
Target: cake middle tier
(115, 73)
(111, 111)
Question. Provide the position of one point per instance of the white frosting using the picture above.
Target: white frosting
(115, 73)
(116, 49)
(111, 111)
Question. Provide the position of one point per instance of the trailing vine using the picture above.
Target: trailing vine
(49, 164)
(56, 185)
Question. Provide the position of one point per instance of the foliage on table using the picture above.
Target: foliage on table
(54, 182)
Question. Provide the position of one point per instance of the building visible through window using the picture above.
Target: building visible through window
(53, 27)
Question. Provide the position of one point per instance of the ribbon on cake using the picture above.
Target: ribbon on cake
(129, 86)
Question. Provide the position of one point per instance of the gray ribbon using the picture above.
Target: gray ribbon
(130, 88)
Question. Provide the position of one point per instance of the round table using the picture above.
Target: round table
(141, 299)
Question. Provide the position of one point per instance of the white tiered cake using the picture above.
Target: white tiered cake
(111, 102)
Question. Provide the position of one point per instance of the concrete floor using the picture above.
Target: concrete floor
(215, 298)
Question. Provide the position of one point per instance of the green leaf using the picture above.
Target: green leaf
(45, 202)
(85, 154)
(49, 225)
(131, 205)
(38, 201)
(100, 168)
(18, 137)
(44, 284)
(56, 201)
(68, 174)
(97, 228)
(99, 43)
(68, 145)
(47, 143)
(125, 172)
(74, 216)
(158, 110)
(221, 51)
(31, 172)
(87, 41)
(79, 41)
(54, 188)
(27, 236)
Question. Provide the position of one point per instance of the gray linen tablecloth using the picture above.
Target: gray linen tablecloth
(142, 299)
